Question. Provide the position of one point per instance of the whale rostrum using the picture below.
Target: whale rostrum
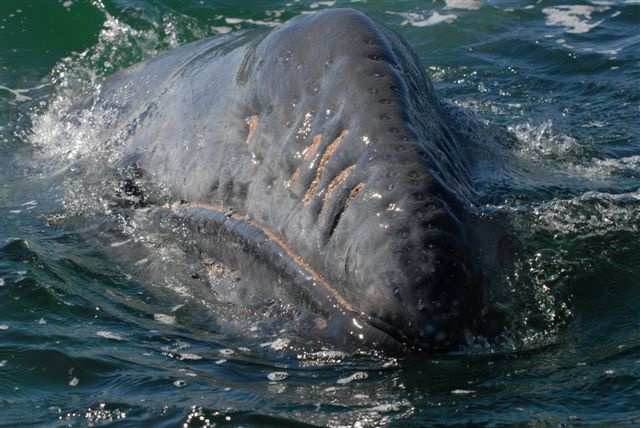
(321, 151)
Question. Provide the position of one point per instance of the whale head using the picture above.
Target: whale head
(326, 142)
(370, 186)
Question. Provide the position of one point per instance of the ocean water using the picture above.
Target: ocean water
(102, 322)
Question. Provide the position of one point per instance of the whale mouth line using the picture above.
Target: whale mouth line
(392, 336)
(252, 230)
(273, 249)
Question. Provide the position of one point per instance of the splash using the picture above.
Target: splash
(591, 214)
(542, 141)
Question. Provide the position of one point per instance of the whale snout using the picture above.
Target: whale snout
(414, 271)
(426, 314)
(430, 312)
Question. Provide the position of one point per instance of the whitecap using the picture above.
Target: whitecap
(108, 335)
(590, 214)
(605, 168)
(462, 391)
(420, 20)
(226, 351)
(189, 356)
(165, 319)
(277, 376)
(238, 21)
(317, 4)
(463, 4)
(222, 29)
(354, 377)
(277, 345)
(575, 18)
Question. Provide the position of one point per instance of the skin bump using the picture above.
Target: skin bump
(323, 163)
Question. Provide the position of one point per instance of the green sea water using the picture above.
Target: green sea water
(100, 325)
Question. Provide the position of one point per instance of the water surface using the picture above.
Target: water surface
(100, 324)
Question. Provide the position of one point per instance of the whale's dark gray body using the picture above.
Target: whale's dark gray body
(321, 150)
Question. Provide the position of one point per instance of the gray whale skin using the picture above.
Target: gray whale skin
(320, 154)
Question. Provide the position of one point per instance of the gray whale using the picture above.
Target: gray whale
(320, 153)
